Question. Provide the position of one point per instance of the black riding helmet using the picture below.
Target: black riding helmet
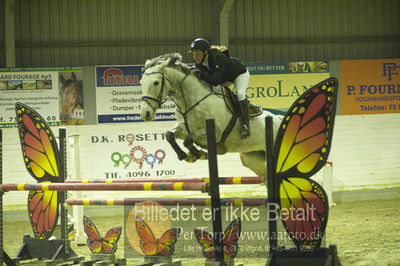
(200, 44)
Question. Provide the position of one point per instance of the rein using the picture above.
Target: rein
(228, 128)
(191, 107)
(159, 100)
(185, 110)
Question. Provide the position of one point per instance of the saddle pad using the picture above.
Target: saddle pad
(233, 104)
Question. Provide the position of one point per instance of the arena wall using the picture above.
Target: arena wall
(365, 155)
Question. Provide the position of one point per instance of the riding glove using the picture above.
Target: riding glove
(196, 72)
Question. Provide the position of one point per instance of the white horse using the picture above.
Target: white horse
(166, 76)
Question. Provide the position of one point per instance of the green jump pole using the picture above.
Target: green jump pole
(62, 134)
(214, 191)
(1, 199)
(271, 184)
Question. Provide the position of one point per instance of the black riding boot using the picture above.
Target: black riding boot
(244, 118)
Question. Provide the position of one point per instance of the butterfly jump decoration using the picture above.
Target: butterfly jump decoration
(152, 246)
(98, 244)
(302, 147)
(41, 158)
(229, 241)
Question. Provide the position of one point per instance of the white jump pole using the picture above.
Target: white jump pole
(327, 181)
(77, 211)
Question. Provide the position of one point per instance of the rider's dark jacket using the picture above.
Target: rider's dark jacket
(221, 68)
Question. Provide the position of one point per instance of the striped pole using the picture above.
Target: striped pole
(168, 201)
(222, 180)
(189, 186)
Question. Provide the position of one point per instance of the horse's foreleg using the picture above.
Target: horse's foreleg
(170, 136)
(255, 161)
(194, 152)
(189, 143)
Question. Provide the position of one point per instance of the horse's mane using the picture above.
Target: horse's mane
(175, 62)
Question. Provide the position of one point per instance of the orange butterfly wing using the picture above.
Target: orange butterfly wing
(304, 212)
(39, 146)
(110, 240)
(229, 241)
(206, 242)
(98, 244)
(302, 146)
(152, 246)
(43, 212)
(40, 152)
(167, 241)
(94, 238)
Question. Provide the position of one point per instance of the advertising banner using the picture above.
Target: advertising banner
(370, 86)
(139, 154)
(118, 96)
(275, 86)
(56, 93)
(187, 230)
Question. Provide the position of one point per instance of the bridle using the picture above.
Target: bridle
(183, 111)
(159, 101)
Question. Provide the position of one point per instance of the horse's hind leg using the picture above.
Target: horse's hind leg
(170, 136)
(255, 161)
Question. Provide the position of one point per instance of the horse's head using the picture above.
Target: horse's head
(157, 84)
(71, 96)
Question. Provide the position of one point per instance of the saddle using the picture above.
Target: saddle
(233, 103)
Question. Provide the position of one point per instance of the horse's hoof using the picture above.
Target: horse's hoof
(203, 155)
(190, 158)
(182, 156)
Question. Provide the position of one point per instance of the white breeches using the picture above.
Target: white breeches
(241, 83)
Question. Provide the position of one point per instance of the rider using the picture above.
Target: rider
(215, 66)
